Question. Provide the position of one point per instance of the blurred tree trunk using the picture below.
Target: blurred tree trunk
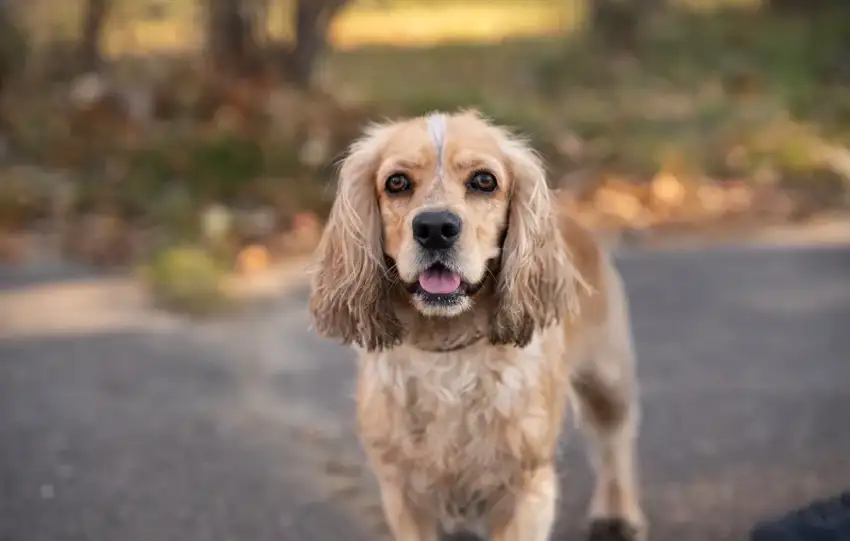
(94, 18)
(616, 23)
(260, 15)
(13, 56)
(312, 21)
(231, 39)
(13, 43)
(7, 24)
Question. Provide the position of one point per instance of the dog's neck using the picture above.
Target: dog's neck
(444, 334)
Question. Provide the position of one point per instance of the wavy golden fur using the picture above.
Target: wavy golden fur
(479, 314)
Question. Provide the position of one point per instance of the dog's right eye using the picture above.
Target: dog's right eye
(397, 183)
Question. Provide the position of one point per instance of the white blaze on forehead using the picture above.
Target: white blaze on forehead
(437, 131)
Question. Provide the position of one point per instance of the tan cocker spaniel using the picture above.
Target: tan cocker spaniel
(479, 315)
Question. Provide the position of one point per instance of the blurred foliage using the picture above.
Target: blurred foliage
(186, 279)
(710, 92)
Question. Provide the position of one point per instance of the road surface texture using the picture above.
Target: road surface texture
(116, 426)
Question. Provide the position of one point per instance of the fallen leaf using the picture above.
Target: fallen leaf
(252, 258)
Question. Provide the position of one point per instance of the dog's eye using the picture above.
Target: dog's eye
(482, 181)
(397, 183)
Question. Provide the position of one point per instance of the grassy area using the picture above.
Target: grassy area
(701, 87)
(428, 25)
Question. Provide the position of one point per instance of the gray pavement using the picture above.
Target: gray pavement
(159, 429)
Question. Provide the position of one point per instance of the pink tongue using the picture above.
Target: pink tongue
(439, 281)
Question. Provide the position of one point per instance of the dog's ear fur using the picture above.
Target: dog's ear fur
(536, 277)
(350, 294)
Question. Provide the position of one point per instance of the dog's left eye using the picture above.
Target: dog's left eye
(397, 183)
(482, 181)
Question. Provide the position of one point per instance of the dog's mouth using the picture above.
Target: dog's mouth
(439, 284)
(439, 280)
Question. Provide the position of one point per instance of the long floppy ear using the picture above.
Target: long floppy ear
(536, 281)
(350, 294)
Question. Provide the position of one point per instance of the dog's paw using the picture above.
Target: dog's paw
(612, 529)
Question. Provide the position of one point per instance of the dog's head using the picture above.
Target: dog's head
(433, 209)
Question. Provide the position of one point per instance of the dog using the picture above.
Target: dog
(480, 316)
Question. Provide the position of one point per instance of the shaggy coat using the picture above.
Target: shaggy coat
(479, 315)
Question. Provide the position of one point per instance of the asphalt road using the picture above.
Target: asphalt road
(160, 430)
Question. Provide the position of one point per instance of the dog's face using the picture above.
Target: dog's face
(430, 208)
(442, 188)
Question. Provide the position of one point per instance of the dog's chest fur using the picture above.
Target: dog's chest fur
(462, 428)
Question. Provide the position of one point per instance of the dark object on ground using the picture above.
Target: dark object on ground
(822, 520)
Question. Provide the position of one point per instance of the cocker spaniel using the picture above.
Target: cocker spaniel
(479, 315)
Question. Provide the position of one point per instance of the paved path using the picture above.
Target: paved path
(116, 428)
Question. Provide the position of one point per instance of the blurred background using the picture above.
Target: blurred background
(126, 123)
(166, 167)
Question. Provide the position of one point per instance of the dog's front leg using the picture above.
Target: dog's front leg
(406, 523)
(533, 515)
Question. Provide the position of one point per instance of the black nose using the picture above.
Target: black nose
(436, 230)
